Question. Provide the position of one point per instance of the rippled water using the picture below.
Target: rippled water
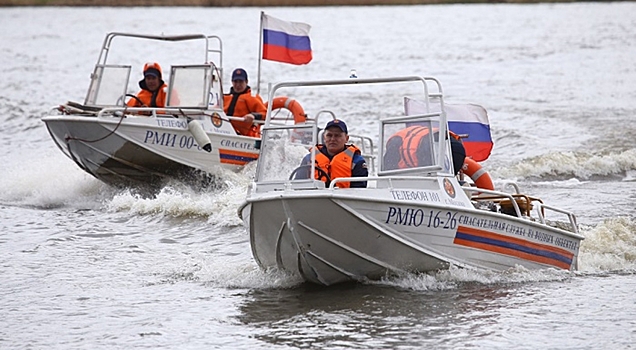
(87, 266)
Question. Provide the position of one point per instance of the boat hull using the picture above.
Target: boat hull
(328, 239)
(140, 152)
(412, 215)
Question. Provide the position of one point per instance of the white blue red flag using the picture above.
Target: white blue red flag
(463, 119)
(284, 41)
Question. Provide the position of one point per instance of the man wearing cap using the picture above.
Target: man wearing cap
(153, 88)
(337, 159)
(240, 103)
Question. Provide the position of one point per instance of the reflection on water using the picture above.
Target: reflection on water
(370, 316)
(470, 315)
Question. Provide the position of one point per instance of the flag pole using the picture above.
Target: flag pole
(260, 55)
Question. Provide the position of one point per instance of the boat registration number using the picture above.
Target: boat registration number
(420, 217)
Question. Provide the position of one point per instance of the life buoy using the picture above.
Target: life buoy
(291, 105)
(480, 177)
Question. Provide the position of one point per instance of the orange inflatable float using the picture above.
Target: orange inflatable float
(291, 105)
(480, 177)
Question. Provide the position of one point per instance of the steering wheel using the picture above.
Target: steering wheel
(307, 167)
(123, 98)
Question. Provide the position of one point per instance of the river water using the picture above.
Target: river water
(84, 265)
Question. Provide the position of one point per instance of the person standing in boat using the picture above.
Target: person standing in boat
(153, 88)
(240, 103)
(335, 158)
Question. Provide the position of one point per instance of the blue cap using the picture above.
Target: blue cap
(239, 74)
(339, 123)
(152, 71)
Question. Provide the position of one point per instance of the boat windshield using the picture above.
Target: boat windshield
(108, 86)
(283, 149)
(412, 145)
(190, 85)
(409, 141)
(194, 86)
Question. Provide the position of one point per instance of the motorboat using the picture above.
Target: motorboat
(407, 219)
(188, 139)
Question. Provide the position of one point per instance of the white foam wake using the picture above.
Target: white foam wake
(564, 165)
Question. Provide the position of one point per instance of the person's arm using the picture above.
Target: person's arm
(392, 153)
(257, 108)
(306, 160)
(303, 170)
(133, 102)
(175, 100)
(359, 170)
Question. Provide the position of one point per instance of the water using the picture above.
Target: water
(87, 266)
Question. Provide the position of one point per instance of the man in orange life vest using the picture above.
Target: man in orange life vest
(153, 88)
(410, 148)
(240, 103)
(336, 158)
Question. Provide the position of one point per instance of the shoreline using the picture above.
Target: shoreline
(260, 3)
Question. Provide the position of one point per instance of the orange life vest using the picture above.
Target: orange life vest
(146, 97)
(411, 138)
(244, 103)
(339, 166)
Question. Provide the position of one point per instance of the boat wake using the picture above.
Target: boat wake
(49, 181)
(454, 278)
(46, 180)
(216, 203)
(566, 165)
(609, 246)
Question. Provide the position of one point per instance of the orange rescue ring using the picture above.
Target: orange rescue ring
(292, 105)
(480, 177)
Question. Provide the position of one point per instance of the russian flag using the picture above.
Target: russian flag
(284, 41)
(464, 119)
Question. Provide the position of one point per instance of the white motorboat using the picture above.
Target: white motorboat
(190, 136)
(407, 220)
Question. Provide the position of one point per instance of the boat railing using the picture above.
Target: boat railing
(426, 183)
(518, 204)
(570, 215)
(364, 143)
(325, 112)
(153, 111)
(436, 150)
(290, 185)
(435, 91)
(213, 44)
(367, 148)
(422, 182)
